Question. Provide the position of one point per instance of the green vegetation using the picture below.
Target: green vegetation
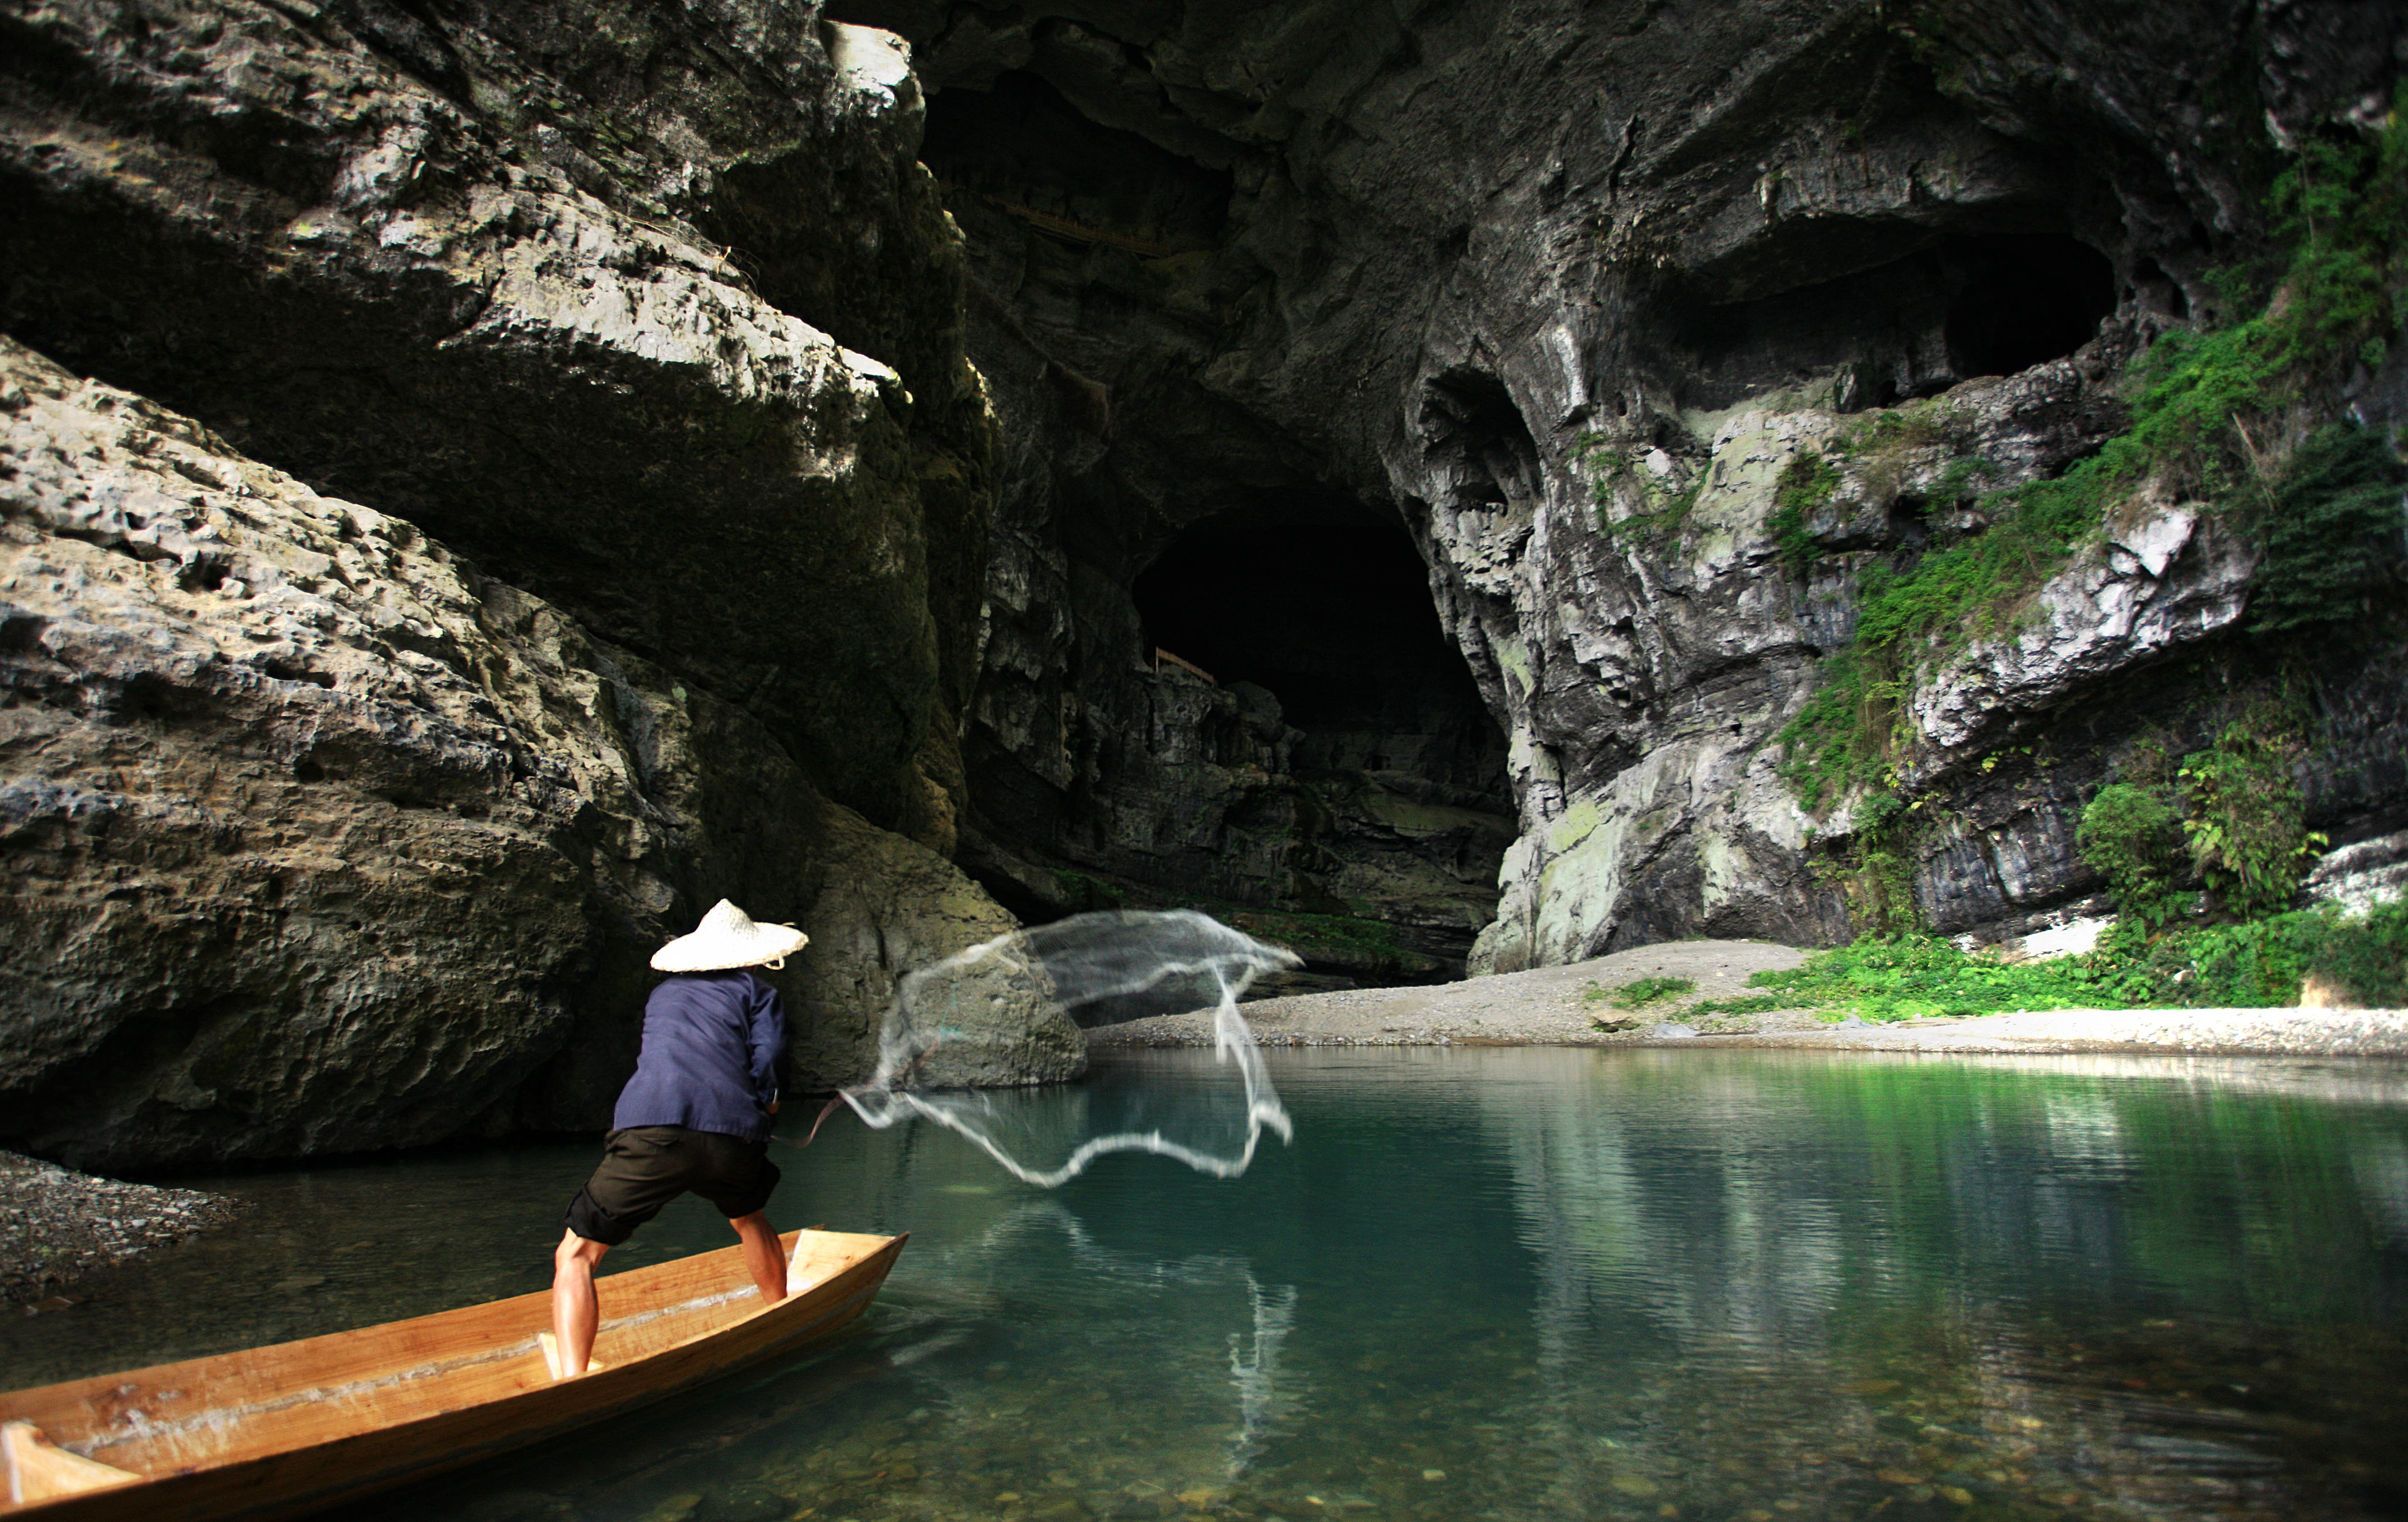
(1879, 877)
(2201, 402)
(1882, 443)
(2133, 837)
(2367, 958)
(2226, 822)
(2246, 829)
(2332, 536)
(1342, 938)
(1637, 992)
(2257, 964)
(1079, 893)
(1741, 1004)
(1909, 977)
(2231, 820)
(1665, 509)
(1805, 485)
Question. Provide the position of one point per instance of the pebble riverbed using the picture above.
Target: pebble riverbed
(56, 1225)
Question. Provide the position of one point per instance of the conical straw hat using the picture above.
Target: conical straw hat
(727, 938)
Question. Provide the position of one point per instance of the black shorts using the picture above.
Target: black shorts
(646, 1167)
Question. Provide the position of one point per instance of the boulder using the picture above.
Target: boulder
(892, 910)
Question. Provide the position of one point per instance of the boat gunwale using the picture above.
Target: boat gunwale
(595, 1396)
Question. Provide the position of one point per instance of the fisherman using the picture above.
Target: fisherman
(696, 1116)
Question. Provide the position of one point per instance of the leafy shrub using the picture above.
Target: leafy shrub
(2246, 828)
(2255, 965)
(2133, 837)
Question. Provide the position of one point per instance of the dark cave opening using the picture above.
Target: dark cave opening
(1020, 143)
(2023, 299)
(1470, 416)
(1335, 620)
(1972, 304)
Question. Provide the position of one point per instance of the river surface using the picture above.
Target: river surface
(1515, 1283)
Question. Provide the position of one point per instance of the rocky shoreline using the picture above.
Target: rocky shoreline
(1563, 1006)
(57, 1225)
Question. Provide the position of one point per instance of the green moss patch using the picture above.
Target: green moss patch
(2202, 405)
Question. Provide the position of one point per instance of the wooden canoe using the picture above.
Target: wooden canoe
(275, 1432)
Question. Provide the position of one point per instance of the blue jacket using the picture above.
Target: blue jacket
(709, 1062)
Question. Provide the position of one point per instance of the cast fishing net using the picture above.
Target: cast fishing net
(1019, 1003)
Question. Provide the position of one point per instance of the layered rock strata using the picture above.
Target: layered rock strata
(648, 312)
(629, 554)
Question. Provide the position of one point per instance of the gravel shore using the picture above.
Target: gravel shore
(1561, 1006)
(56, 1224)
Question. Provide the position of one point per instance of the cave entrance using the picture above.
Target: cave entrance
(1972, 304)
(2023, 299)
(1334, 618)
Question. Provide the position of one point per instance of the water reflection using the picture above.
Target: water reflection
(2028, 1287)
(1534, 1283)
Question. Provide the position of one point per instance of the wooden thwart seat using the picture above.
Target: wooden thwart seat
(40, 1470)
(552, 1357)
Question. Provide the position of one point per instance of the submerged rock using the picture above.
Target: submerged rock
(57, 1225)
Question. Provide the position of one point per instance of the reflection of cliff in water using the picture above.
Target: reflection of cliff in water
(2031, 1263)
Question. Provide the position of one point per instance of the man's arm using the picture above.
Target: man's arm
(768, 1040)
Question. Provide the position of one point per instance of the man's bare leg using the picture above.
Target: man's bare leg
(763, 1255)
(575, 1313)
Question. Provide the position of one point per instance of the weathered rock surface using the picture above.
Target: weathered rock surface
(648, 312)
(1428, 376)
(891, 907)
(315, 839)
(1247, 270)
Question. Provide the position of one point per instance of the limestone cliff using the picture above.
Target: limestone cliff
(1568, 291)
(651, 312)
(315, 839)
(559, 502)
(1420, 468)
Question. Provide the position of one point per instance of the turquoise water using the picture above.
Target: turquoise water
(1485, 1282)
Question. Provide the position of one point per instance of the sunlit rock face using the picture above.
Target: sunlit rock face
(1519, 278)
